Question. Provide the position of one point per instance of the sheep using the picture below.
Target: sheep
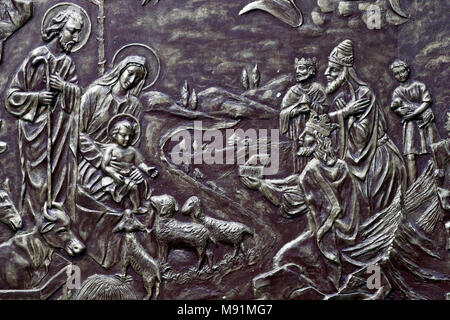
(172, 233)
(135, 255)
(223, 231)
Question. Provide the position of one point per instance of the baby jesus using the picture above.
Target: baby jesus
(124, 164)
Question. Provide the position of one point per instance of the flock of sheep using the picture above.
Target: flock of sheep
(171, 233)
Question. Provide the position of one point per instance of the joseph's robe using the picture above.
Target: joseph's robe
(23, 103)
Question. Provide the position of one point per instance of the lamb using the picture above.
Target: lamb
(223, 231)
(172, 233)
(135, 255)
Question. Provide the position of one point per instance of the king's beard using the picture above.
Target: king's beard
(334, 85)
(306, 151)
(321, 151)
(302, 78)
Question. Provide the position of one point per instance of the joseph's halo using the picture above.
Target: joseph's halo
(53, 11)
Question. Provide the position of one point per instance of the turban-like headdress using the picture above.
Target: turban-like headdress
(343, 54)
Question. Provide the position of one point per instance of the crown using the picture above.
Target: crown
(321, 123)
(306, 62)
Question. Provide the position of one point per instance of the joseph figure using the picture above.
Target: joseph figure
(28, 99)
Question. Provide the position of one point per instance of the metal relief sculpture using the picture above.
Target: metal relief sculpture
(134, 255)
(9, 214)
(365, 146)
(285, 10)
(137, 151)
(26, 257)
(226, 232)
(412, 101)
(298, 102)
(288, 12)
(170, 232)
(124, 164)
(45, 98)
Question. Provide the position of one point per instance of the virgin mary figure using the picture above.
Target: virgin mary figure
(116, 92)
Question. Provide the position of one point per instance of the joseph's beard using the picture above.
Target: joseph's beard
(66, 46)
(334, 85)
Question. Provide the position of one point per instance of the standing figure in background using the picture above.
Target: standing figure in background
(28, 99)
(298, 102)
(412, 102)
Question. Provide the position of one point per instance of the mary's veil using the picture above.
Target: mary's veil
(111, 77)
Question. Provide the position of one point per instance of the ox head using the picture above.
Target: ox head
(165, 205)
(192, 205)
(55, 229)
(8, 212)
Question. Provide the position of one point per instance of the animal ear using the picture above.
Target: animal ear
(46, 214)
(176, 206)
(6, 186)
(296, 60)
(47, 226)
